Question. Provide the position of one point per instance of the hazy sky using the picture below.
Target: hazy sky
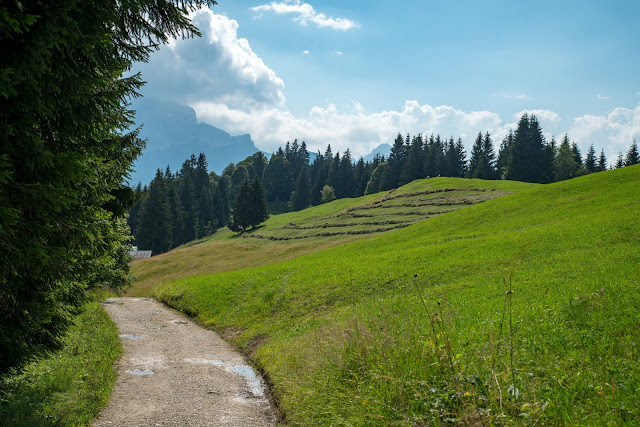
(355, 73)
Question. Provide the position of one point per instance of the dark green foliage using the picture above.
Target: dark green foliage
(277, 178)
(380, 179)
(155, 222)
(602, 162)
(415, 162)
(483, 159)
(250, 206)
(590, 160)
(530, 157)
(65, 154)
(300, 196)
(396, 160)
(565, 165)
(177, 209)
(632, 158)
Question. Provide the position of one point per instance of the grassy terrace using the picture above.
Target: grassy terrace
(522, 309)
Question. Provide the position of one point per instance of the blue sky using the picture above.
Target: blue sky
(355, 73)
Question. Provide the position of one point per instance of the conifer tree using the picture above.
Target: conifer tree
(154, 218)
(620, 162)
(65, 87)
(300, 196)
(590, 160)
(564, 163)
(530, 158)
(602, 162)
(475, 163)
(361, 177)
(396, 160)
(259, 207)
(632, 158)
(346, 177)
(414, 164)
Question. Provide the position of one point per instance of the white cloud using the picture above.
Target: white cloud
(603, 97)
(219, 67)
(230, 87)
(306, 52)
(305, 13)
(614, 132)
(350, 127)
(337, 52)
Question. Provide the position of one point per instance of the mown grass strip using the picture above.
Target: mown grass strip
(70, 386)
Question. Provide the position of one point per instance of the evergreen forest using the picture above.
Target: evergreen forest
(176, 208)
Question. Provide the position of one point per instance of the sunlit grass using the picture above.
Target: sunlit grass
(519, 310)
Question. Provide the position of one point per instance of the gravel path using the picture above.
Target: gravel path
(174, 372)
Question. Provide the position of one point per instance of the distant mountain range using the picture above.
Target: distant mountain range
(173, 134)
(382, 149)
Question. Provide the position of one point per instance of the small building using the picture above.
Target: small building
(139, 254)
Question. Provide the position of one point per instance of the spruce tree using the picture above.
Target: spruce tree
(414, 164)
(530, 158)
(259, 206)
(476, 164)
(602, 162)
(590, 160)
(396, 160)
(65, 87)
(300, 198)
(154, 218)
(632, 158)
(564, 164)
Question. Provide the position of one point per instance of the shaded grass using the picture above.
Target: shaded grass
(70, 386)
(523, 310)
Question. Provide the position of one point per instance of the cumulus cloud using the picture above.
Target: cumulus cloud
(306, 52)
(305, 13)
(613, 132)
(219, 67)
(348, 127)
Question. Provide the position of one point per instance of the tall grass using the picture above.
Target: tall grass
(520, 310)
(70, 386)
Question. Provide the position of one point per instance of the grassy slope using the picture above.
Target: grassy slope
(225, 251)
(348, 334)
(70, 386)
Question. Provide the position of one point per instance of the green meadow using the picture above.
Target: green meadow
(71, 385)
(445, 301)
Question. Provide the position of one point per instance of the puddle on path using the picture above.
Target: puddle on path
(140, 372)
(255, 382)
(256, 385)
(131, 337)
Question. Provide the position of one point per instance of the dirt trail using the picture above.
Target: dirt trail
(174, 372)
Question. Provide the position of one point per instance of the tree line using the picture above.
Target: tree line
(193, 203)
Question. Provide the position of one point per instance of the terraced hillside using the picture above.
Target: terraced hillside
(395, 209)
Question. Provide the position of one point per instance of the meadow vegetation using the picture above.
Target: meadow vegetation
(69, 386)
(518, 310)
